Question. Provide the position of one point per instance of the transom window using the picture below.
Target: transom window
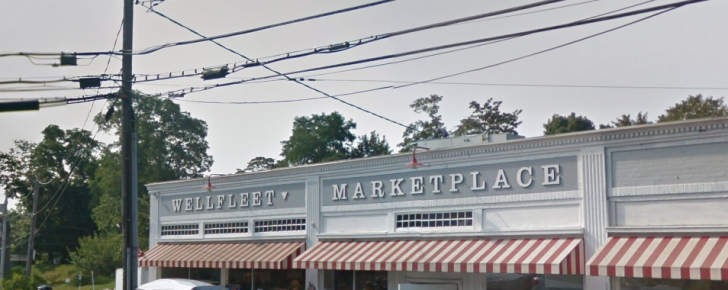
(226, 228)
(283, 225)
(435, 220)
(181, 230)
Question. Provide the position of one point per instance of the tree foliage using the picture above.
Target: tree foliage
(488, 118)
(371, 145)
(171, 145)
(626, 120)
(566, 124)
(65, 159)
(318, 138)
(101, 253)
(259, 164)
(695, 107)
(431, 128)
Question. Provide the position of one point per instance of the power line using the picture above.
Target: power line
(582, 39)
(538, 52)
(523, 85)
(173, 44)
(283, 75)
(346, 45)
(474, 46)
(284, 101)
(441, 47)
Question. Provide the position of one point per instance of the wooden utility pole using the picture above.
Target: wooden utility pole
(128, 141)
(31, 235)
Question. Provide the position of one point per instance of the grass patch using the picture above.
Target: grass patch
(56, 275)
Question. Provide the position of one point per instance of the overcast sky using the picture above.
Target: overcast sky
(683, 48)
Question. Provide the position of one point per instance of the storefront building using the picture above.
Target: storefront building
(643, 207)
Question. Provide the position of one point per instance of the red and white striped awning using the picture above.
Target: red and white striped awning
(695, 258)
(535, 256)
(267, 255)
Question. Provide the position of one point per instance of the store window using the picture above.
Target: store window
(279, 279)
(180, 230)
(208, 275)
(498, 281)
(355, 280)
(175, 273)
(648, 283)
(286, 225)
(240, 279)
(435, 220)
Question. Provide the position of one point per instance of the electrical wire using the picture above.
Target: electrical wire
(44, 89)
(522, 85)
(582, 39)
(284, 101)
(346, 45)
(484, 40)
(538, 52)
(284, 75)
(173, 44)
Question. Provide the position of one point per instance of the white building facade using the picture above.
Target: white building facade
(643, 207)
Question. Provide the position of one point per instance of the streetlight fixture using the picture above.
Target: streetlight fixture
(209, 186)
(414, 163)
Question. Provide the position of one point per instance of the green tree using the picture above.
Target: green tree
(259, 164)
(626, 120)
(318, 138)
(431, 128)
(371, 145)
(66, 160)
(695, 107)
(566, 124)
(101, 253)
(488, 118)
(171, 145)
(18, 282)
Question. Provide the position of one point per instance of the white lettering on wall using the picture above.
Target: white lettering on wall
(519, 176)
(501, 181)
(551, 174)
(256, 198)
(377, 190)
(188, 204)
(359, 192)
(220, 201)
(198, 204)
(244, 199)
(340, 191)
(209, 203)
(417, 187)
(177, 205)
(456, 179)
(475, 182)
(396, 187)
(232, 202)
(270, 194)
(436, 180)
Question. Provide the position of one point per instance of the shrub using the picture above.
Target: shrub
(100, 253)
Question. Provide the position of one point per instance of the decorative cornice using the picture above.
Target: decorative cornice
(455, 202)
(670, 189)
(235, 215)
(543, 233)
(666, 230)
(570, 139)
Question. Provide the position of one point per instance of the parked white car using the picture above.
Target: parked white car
(178, 284)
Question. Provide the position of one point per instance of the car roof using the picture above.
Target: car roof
(178, 284)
